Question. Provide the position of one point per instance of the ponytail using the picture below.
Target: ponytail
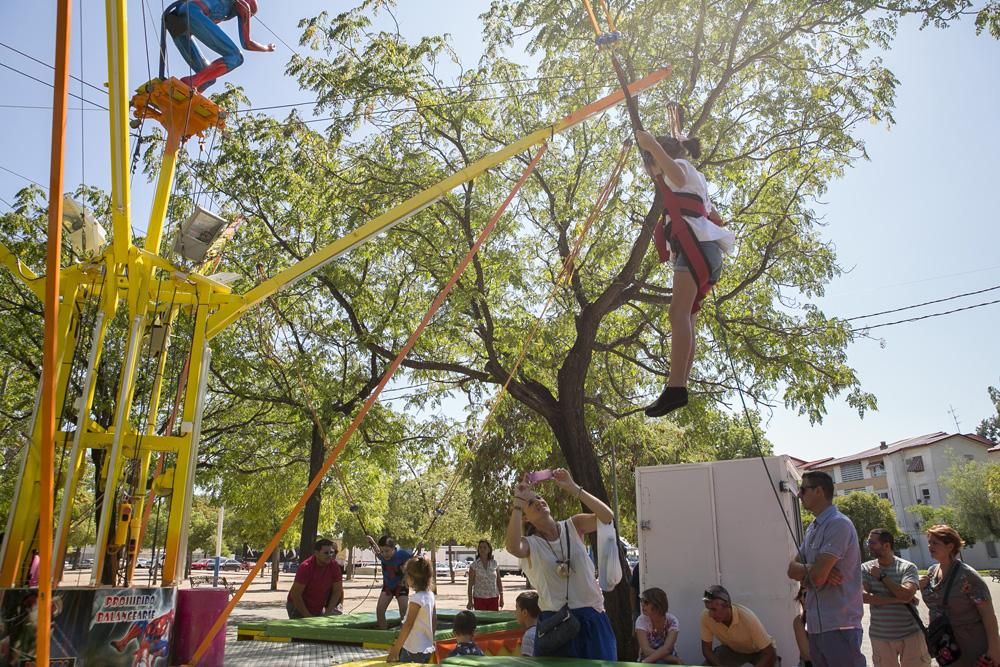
(693, 147)
(680, 149)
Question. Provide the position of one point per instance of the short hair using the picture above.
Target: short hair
(528, 601)
(945, 533)
(464, 623)
(418, 569)
(656, 597)
(386, 541)
(884, 536)
(324, 542)
(822, 480)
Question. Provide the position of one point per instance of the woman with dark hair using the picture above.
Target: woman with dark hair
(485, 587)
(555, 560)
(656, 629)
(953, 589)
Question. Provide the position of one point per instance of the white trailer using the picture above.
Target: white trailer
(721, 523)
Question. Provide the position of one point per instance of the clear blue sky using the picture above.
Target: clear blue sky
(886, 216)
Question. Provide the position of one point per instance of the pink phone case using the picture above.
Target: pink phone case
(540, 475)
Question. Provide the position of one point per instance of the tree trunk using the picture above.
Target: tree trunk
(350, 565)
(310, 515)
(275, 567)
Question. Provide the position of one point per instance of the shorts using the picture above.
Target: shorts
(713, 253)
(420, 658)
(397, 592)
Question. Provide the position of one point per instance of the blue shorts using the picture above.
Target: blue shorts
(713, 253)
(420, 658)
(836, 648)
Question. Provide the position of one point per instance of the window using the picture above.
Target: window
(925, 496)
(851, 472)
(991, 549)
(884, 494)
(916, 464)
(876, 469)
(969, 457)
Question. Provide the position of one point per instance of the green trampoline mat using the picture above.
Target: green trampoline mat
(360, 628)
(513, 661)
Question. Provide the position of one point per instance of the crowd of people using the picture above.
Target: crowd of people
(565, 616)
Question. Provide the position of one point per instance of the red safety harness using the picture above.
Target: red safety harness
(681, 238)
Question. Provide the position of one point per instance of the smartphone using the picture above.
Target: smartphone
(540, 475)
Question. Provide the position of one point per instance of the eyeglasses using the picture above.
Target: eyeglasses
(873, 542)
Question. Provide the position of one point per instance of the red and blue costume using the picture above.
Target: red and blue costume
(188, 20)
(154, 640)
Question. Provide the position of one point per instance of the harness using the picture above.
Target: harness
(676, 205)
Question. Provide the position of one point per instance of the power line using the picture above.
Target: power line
(459, 86)
(14, 69)
(925, 317)
(42, 62)
(925, 303)
(43, 108)
(30, 180)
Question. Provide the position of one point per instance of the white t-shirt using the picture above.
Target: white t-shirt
(702, 228)
(528, 641)
(541, 568)
(421, 637)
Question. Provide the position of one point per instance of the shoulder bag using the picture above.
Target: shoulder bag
(558, 629)
(941, 642)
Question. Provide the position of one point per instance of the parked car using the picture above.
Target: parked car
(228, 564)
(86, 562)
(203, 564)
(142, 562)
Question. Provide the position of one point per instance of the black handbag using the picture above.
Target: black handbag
(558, 629)
(941, 642)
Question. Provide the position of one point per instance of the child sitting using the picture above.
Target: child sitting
(465, 630)
(527, 611)
(415, 642)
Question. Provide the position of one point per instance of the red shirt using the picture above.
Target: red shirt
(317, 581)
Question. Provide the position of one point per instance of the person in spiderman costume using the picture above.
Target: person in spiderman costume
(153, 636)
(187, 20)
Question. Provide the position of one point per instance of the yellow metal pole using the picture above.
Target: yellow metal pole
(164, 183)
(184, 464)
(20, 270)
(118, 106)
(50, 345)
(228, 314)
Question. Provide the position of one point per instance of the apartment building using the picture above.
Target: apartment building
(906, 473)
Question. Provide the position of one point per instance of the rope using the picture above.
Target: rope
(363, 412)
(564, 276)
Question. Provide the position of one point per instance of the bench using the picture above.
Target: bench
(995, 575)
(207, 579)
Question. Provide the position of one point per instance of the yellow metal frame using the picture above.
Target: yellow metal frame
(146, 285)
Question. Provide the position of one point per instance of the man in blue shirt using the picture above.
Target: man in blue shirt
(831, 574)
(393, 585)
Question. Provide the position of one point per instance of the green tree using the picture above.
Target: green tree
(977, 509)
(989, 427)
(944, 514)
(867, 511)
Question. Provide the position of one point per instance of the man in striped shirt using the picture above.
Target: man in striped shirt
(890, 584)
